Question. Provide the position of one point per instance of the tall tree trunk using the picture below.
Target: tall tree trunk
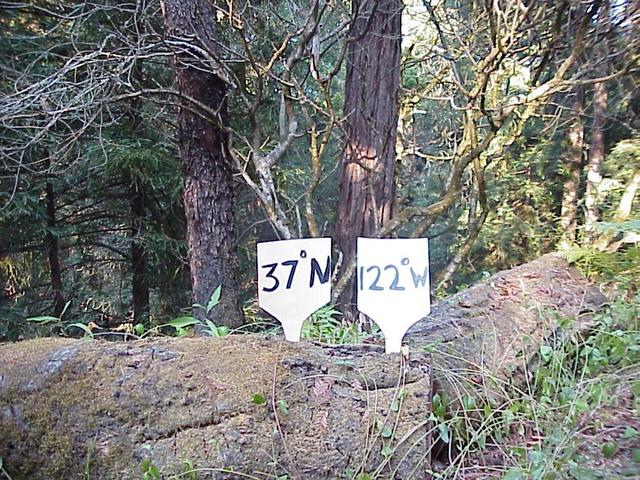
(51, 241)
(573, 168)
(53, 253)
(367, 183)
(140, 282)
(139, 274)
(596, 156)
(207, 176)
(597, 141)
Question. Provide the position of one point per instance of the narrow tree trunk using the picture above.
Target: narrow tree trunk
(625, 207)
(51, 241)
(207, 176)
(596, 156)
(140, 282)
(606, 241)
(139, 274)
(367, 183)
(476, 222)
(573, 167)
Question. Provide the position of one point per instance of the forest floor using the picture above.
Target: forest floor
(578, 418)
(602, 444)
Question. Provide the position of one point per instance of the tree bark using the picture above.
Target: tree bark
(596, 156)
(607, 241)
(207, 175)
(53, 254)
(597, 142)
(573, 168)
(367, 175)
(140, 282)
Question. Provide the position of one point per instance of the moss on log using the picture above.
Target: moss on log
(237, 407)
(257, 407)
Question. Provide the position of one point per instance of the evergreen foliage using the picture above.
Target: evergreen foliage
(89, 127)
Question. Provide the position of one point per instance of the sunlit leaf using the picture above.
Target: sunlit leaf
(546, 352)
(82, 326)
(215, 298)
(182, 322)
(44, 319)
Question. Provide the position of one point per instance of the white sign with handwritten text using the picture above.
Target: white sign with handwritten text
(294, 280)
(393, 284)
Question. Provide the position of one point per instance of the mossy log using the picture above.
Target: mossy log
(490, 334)
(258, 407)
(237, 407)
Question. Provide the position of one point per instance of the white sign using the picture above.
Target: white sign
(294, 280)
(393, 284)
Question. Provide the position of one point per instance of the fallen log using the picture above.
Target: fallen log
(257, 407)
(238, 407)
(485, 335)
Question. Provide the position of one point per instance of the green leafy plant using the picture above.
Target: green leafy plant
(181, 325)
(438, 416)
(188, 471)
(352, 475)
(149, 470)
(573, 387)
(48, 319)
(213, 301)
(259, 399)
(209, 327)
(323, 326)
(58, 322)
(215, 331)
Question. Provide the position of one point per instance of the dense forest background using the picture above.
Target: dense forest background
(131, 131)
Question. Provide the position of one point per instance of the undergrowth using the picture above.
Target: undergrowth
(325, 326)
(576, 417)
